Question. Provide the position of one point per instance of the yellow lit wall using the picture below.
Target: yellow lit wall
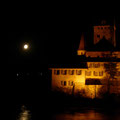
(97, 72)
(78, 80)
(81, 52)
(89, 91)
(95, 54)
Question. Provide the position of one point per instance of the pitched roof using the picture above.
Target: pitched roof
(82, 43)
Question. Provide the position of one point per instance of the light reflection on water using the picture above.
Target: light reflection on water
(85, 114)
(25, 114)
(88, 115)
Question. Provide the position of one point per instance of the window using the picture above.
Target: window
(93, 82)
(101, 73)
(56, 72)
(95, 73)
(90, 65)
(70, 83)
(78, 72)
(71, 72)
(64, 83)
(97, 65)
(88, 73)
(63, 72)
(82, 53)
(98, 36)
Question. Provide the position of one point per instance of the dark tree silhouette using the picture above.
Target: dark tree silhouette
(111, 70)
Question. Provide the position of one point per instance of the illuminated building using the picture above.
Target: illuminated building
(89, 77)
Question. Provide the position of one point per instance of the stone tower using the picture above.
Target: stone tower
(106, 31)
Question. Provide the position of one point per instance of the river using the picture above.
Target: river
(70, 114)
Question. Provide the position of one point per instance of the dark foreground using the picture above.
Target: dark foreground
(46, 105)
(52, 107)
(71, 113)
(88, 114)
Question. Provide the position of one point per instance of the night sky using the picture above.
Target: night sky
(51, 46)
(58, 41)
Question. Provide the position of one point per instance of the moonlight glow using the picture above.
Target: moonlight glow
(26, 46)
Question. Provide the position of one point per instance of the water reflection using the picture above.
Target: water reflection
(72, 114)
(87, 115)
(25, 114)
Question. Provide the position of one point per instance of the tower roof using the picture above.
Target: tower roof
(103, 45)
(82, 43)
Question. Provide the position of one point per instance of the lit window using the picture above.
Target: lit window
(96, 65)
(82, 53)
(62, 83)
(78, 72)
(70, 83)
(63, 72)
(95, 73)
(56, 72)
(71, 72)
(88, 73)
(101, 73)
(90, 65)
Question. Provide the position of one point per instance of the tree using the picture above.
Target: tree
(111, 70)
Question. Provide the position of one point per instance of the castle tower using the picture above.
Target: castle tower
(104, 30)
(81, 49)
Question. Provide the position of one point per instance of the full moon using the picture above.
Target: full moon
(26, 46)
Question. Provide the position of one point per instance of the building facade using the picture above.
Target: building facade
(94, 79)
